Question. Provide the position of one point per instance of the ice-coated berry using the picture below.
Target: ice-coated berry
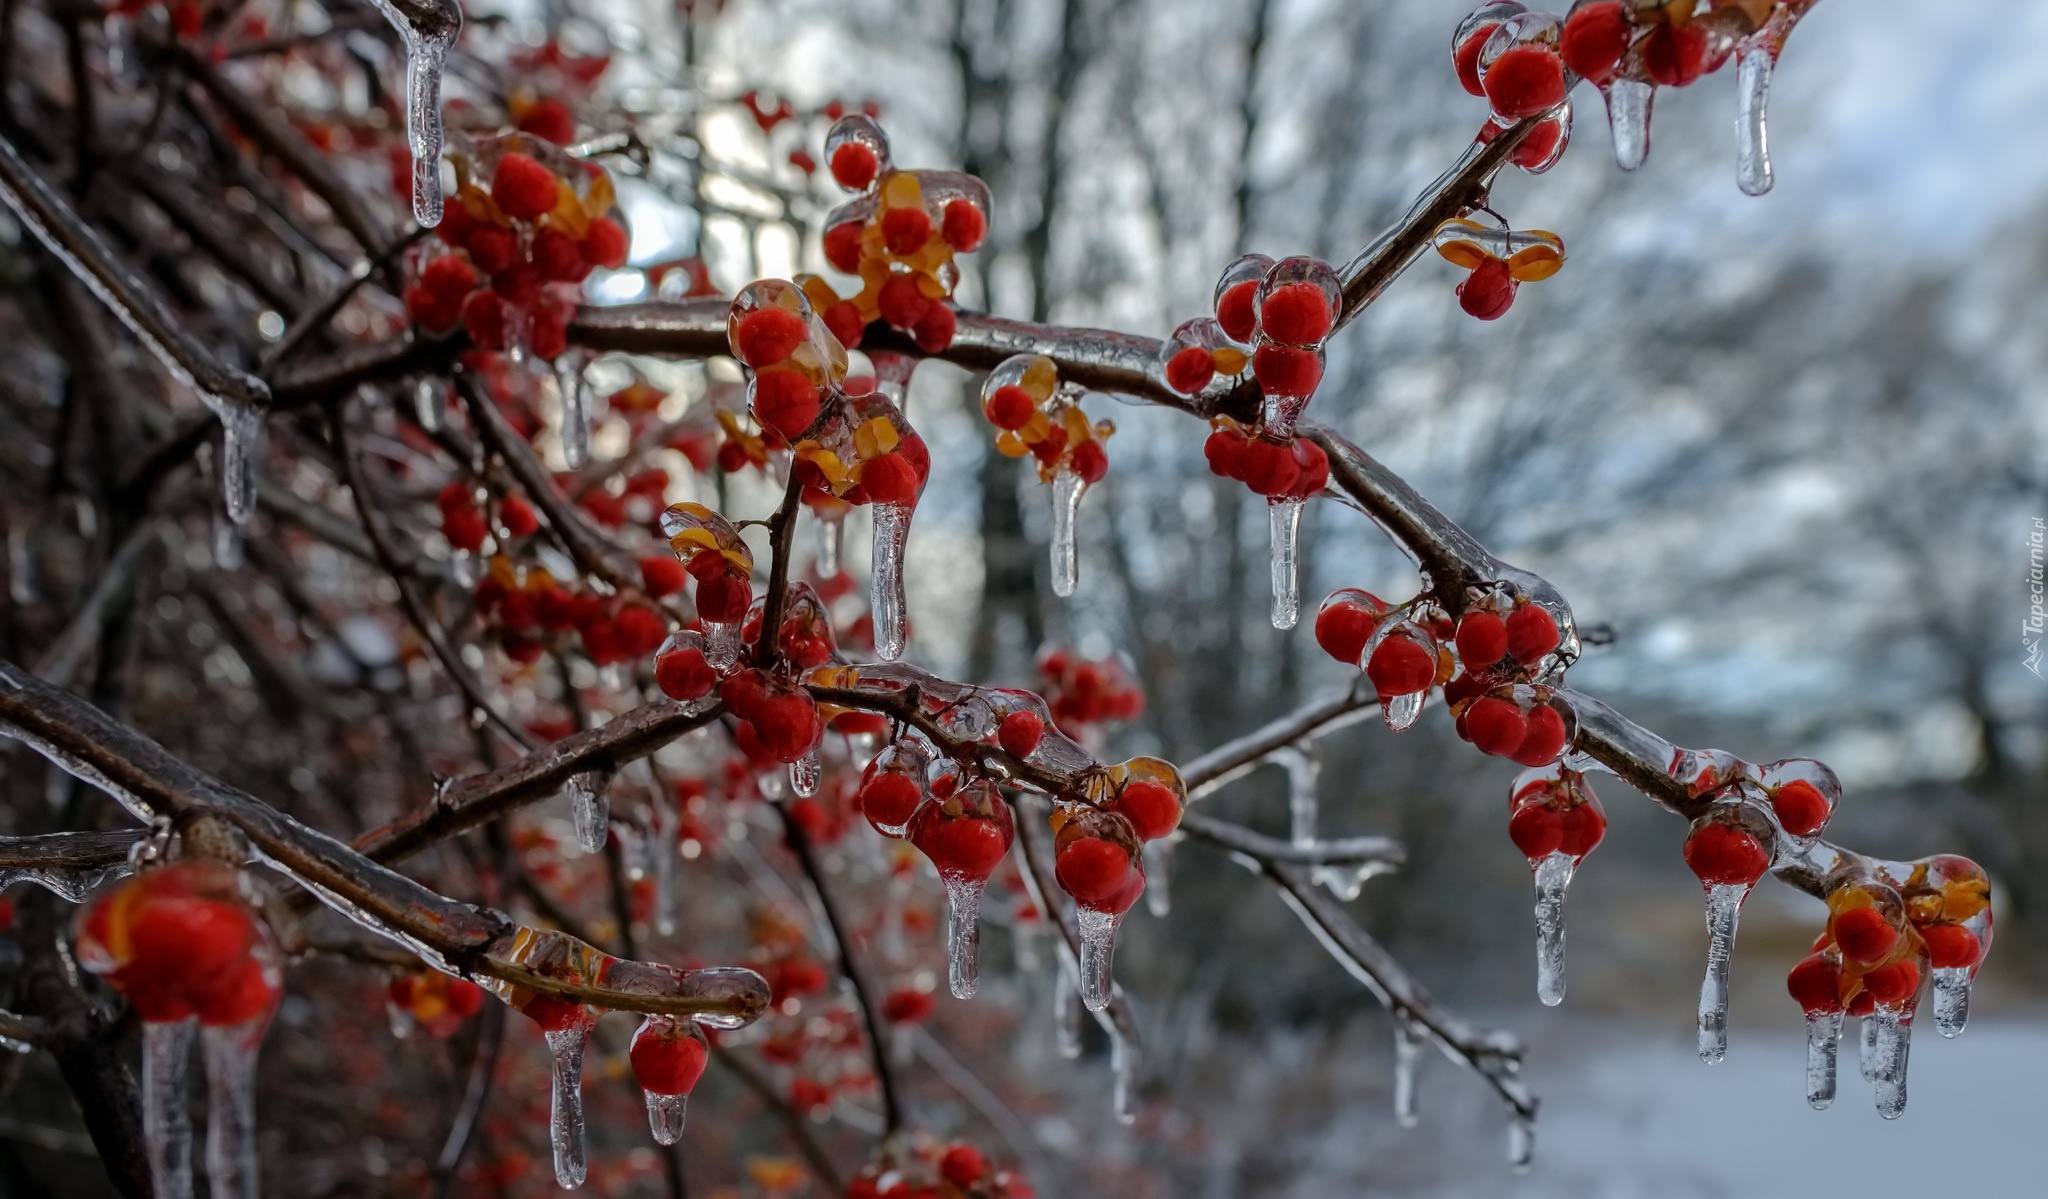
(1722, 855)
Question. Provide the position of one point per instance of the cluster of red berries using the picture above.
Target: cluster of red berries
(1500, 261)
(668, 1056)
(778, 720)
(1023, 399)
(1756, 812)
(1275, 467)
(1670, 45)
(1087, 693)
(532, 235)
(926, 1170)
(184, 940)
(899, 236)
(436, 1002)
(1284, 311)
(1509, 55)
(525, 609)
(1555, 811)
(1867, 956)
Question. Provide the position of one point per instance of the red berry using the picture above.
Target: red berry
(1540, 147)
(842, 246)
(1584, 827)
(785, 401)
(430, 311)
(844, 321)
(1862, 1005)
(456, 223)
(890, 798)
(907, 1007)
(934, 333)
(247, 991)
(667, 1062)
(787, 724)
(1268, 467)
(1496, 726)
(767, 336)
(1532, 633)
(550, 120)
(1864, 935)
(890, 479)
(1400, 666)
(965, 846)
(905, 230)
(523, 188)
(723, 598)
(1951, 946)
(1296, 313)
(493, 248)
(449, 277)
(1225, 450)
(1096, 872)
(1466, 58)
(661, 576)
(557, 257)
(1527, 80)
(1894, 984)
(1595, 38)
(1010, 407)
(1152, 808)
(1802, 809)
(552, 1014)
(1287, 371)
(1482, 640)
(1343, 627)
(683, 674)
(1488, 292)
(1545, 739)
(546, 335)
(1190, 370)
(963, 226)
(465, 529)
(1020, 733)
(963, 1165)
(854, 165)
(1723, 855)
(1675, 55)
(1816, 985)
(1090, 461)
(1312, 469)
(1537, 830)
(483, 317)
(1236, 312)
(902, 304)
(606, 243)
(519, 283)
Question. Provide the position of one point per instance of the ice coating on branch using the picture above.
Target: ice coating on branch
(590, 808)
(885, 578)
(1067, 1013)
(231, 1109)
(1823, 1039)
(717, 996)
(166, 1130)
(1409, 1040)
(574, 388)
(1284, 518)
(72, 886)
(963, 935)
(429, 29)
(565, 1108)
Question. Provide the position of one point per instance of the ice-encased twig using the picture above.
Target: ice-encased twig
(69, 865)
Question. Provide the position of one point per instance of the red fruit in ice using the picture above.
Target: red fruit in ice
(550, 120)
(1537, 830)
(1488, 291)
(1545, 739)
(1496, 726)
(1010, 407)
(902, 304)
(1584, 826)
(1526, 80)
(483, 318)
(449, 276)
(518, 517)
(1675, 55)
(934, 331)
(767, 336)
(1296, 313)
(1532, 633)
(724, 598)
(1311, 469)
(1153, 808)
(1190, 370)
(1020, 733)
(1236, 311)
(1286, 370)
(844, 321)
(1345, 623)
(1816, 985)
(1595, 37)
(890, 797)
(785, 401)
(786, 723)
(1894, 984)
(605, 243)
(906, 1006)
(965, 846)
(661, 576)
(1268, 467)
(1724, 855)
(1802, 809)
(523, 188)
(1090, 461)
(963, 226)
(1482, 639)
(1466, 58)
(905, 230)
(493, 248)
(1095, 871)
(1225, 450)
(684, 675)
(854, 165)
(557, 257)
(553, 1014)
(1400, 666)
(667, 1062)
(1951, 946)
(842, 246)
(1864, 935)
(963, 1166)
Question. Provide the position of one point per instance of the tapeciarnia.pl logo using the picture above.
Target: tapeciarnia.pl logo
(2037, 612)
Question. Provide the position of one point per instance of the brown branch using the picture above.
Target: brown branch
(781, 539)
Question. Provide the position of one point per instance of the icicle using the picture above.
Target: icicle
(166, 1132)
(830, 534)
(1890, 1042)
(241, 431)
(1951, 999)
(1753, 140)
(1553, 875)
(1304, 770)
(1628, 115)
(663, 821)
(1724, 908)
(1521, 1140)
(1159, 877)
(885, 578)
(565, 1120)
(227, 543)
(231, 1109)
(805, 772)
(665, 1114)
(1284, 516)
(1066, 1009)
(1866, 1055)
(1066, 503)
(1408, 1042)
(963, 935)
(1823, 1035)
(590, 808)
(426, 52)
(575, 392)
(721, 643)
(1098, 951)
(1400, 712)
(430, 405)
(1123, 1073)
